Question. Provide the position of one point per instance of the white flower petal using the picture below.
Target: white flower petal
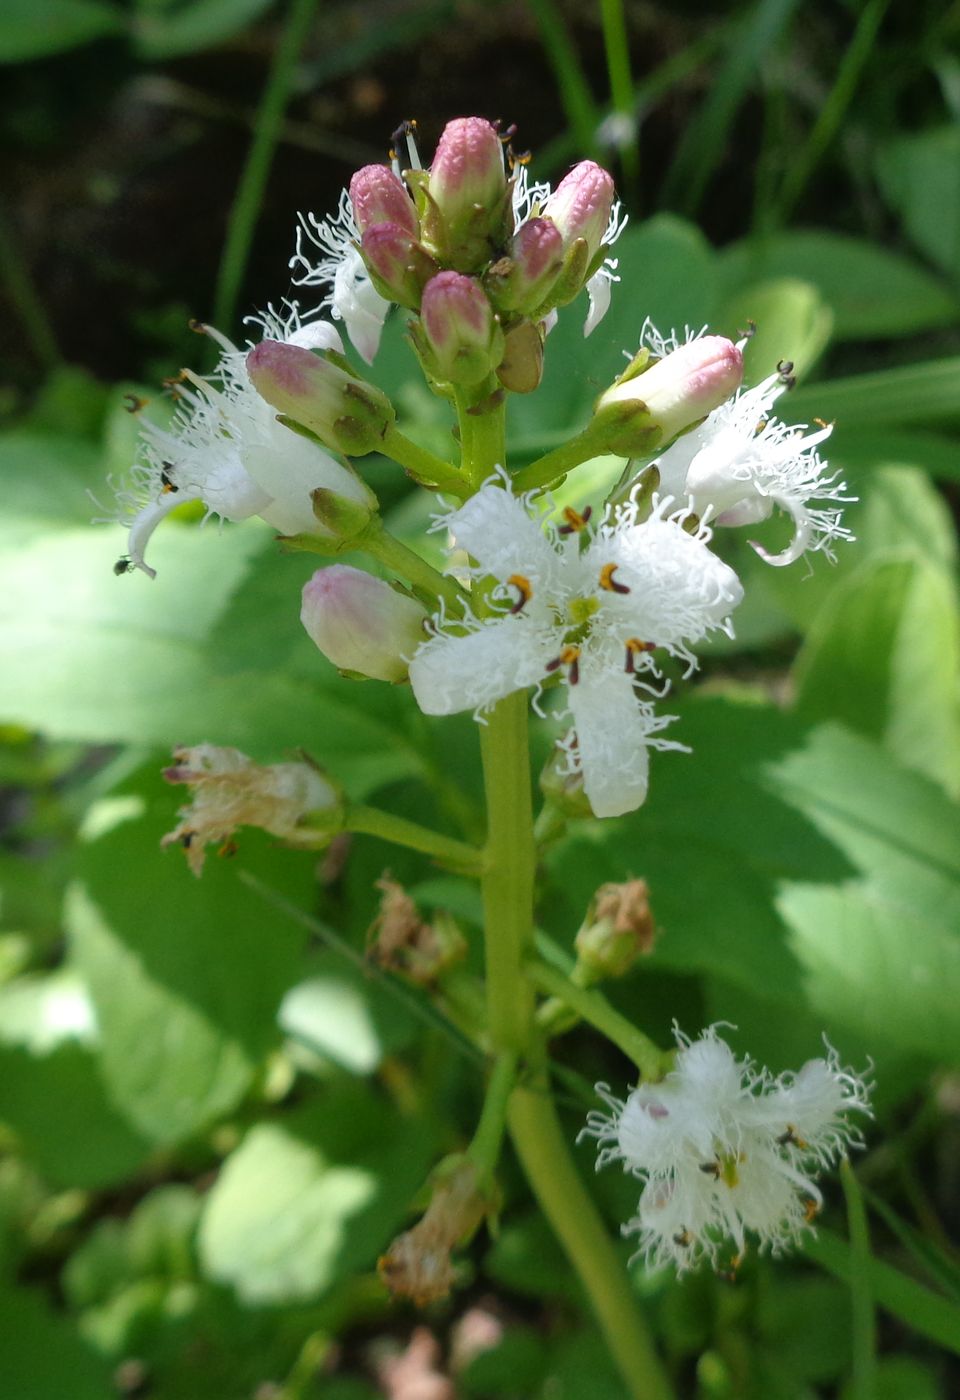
(471, 672)
(599, 288)
(497, 529)
(356, 301)
(612, 729)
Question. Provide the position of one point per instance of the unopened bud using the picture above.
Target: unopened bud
(521, 366)
(398, 265)
(467, 201)
(563, 788)
(461, 340)
(580, 206)
(522, 280)
(379, 197)
(291, 800)
(345, 412)
(360, 623)
(646, 410)
(418, 1264)
(617, 930)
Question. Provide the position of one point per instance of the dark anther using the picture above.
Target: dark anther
(196, 326)
(575, 521)
(123, 566)
(166, 480)
(711, 1169)
(133, 403)
(749, 333)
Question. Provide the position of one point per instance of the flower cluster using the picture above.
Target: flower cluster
(725, 1149)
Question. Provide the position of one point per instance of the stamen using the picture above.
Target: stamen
(569, 656)
(608, 581)
(123, 566)
(683, 1237)
(750, 332)
(196, 326)
(635, 648)
(811, 1209)
(166, 479)
(524, 588)
(133, 403)
(406, 132)
(790, 1139)
(711, 1169)
(575, 521)
(228, 850)
(785, 371)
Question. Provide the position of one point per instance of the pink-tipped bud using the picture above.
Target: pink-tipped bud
(580, 205)
(467, 194)
(461, 341)
(522, 280)
(345, 412)
(379, 197)
(645, 410)
(360, 623)
(399, 267)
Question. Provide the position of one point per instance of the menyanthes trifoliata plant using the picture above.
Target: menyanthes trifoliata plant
(587, 615)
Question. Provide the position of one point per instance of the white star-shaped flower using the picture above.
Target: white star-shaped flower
(725, 1148)
(351, 296)
(225, 447)
(594, 615)
(742, 461)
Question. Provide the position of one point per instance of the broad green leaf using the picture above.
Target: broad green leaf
(863, 447)
(925, 394)
(192, 25)
(186, 975)
(920, 176)
(792, 323)
(883, 656)
(43, 1358)
(46, 479)
(847, 272)
(339, 1015)
(29, 30)
(299, 1204)
(878, 966)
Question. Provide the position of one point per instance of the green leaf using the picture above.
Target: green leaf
(792, 320)
(923, 394)
(883, 656)
(302, 1203)
(186, 975)
(193, 26)
(847, 272)
(341, 1016)
(43, 1358)
(28, 30)
(920, 176)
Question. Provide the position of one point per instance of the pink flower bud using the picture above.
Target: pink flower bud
(467, 194)
(648, 409)
(522, 280)
(398, 266)
(580, 205)
(360, 623)
(345, 412)
(461, 335)
(379, 197)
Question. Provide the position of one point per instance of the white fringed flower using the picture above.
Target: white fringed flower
(224, 447)
(593, 615)
(725, 1149)
(741, 462)
(351, 296)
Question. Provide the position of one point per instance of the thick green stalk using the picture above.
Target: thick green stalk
(371, 821)
(248, 199)
(508, 878)
(542, 1147)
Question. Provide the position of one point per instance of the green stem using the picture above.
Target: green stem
(864, 1330)
(594, 1008)
(424, 467)
(508, 878)
(833, 110)
(371, 821)
(546, 471)
(250, 191)
(402, 560)
(542, 1147)
(617, 46)
(484, 1150)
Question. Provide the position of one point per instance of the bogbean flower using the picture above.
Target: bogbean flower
(350, 297)
(224, 447)
(741, 461)
(591, 615)
(726, 1150)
